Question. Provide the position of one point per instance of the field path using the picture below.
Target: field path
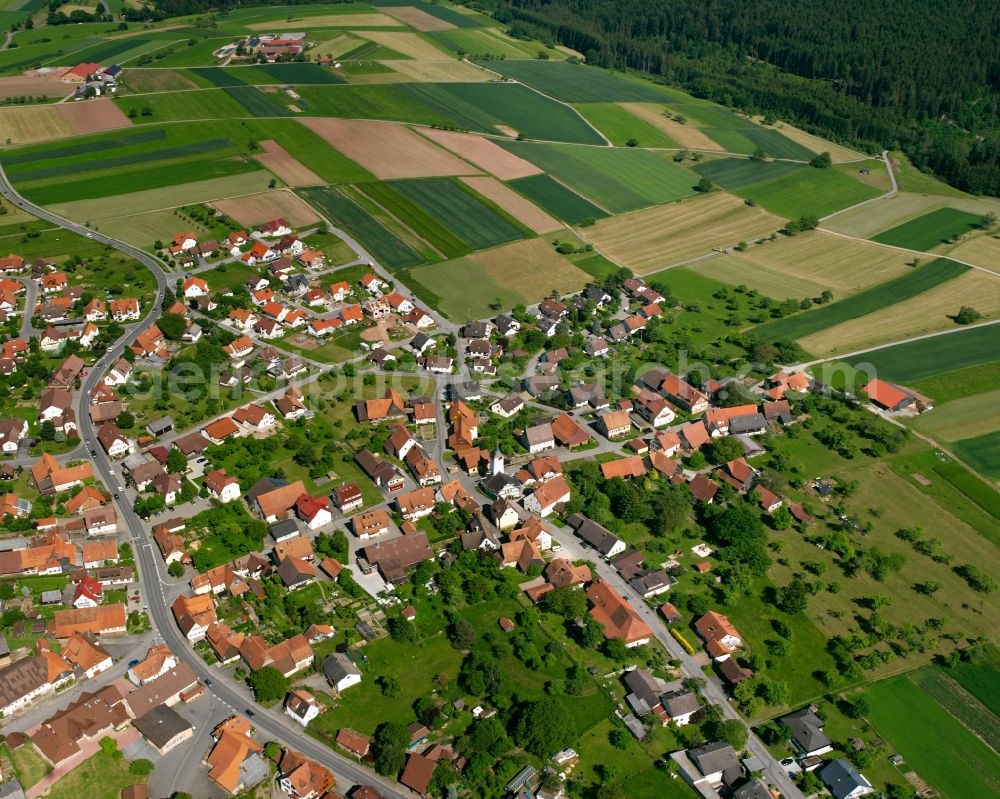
(894, 189)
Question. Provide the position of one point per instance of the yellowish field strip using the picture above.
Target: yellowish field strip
(416, 18)
(409, 44)
(646, 241)
(29, 124)
(769, 282)
(881, 215)
(328, 21)
(982, 251)
(925, 313)
(523, 210)
(962, 418)
(444, 71)
(839, 154)
(685, 135)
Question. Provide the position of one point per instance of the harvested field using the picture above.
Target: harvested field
(166, 197)
(93, 116)
(280, 162)
(256, 208)
(683, 135)
(409, 44)
(962, 418)
(416, 18)
(525, 212)
(141, 230)
(388, 150)
(840, 265)
(927, 312)
(649, 240)
(483, 153)
(736, 270)
(982, 251)
(523, 272)
(328, 21)
(34, 85)
(839, 154)
(865, 222)
(449, 71)
(30, 124)
(149, 81)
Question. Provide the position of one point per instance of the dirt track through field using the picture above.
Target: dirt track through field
(524, 211)
(483, 153)
(388, 150)
(280, 162)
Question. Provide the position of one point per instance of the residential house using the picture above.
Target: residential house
(617, 618)
(301, 706)
(720, 636)
(341, 672)
(614, 424)
(599, 537)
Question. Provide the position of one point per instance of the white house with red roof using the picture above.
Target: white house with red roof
(194, 287)
(314, 511)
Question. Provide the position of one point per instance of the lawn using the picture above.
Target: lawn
(29, 765)
(960, 383)
(344, 213)
(619, 179)
(904, 714)
(968, 417)
(621, 126)
(982, 453)
(557, 199)
(100, 777)
(576, 83)
(981, 678)
(972, 713)
(504, 107)
(809, 192)
(930, 230)
(738, 173)
(917, 281)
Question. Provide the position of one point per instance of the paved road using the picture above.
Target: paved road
(151, 572)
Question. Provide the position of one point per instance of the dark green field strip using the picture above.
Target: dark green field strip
(217, 76)
(97, 164)
(736, 173)
(258, 103)
(481, 224)
(46, 153)
(929, 230)
(982, 453)
(431, 230)
(442, 13)
(917, 360)
(561, 202)
(619, 179)
(484, 106)
(960, 703)
(392, 251)
(390, 102)
(577, 83)
(299, 73)
(981, 679)
(307, 148)
(127, 181)
(104, 53)
(919, 280)
(776, 144)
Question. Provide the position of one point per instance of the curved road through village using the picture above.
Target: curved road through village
(274, 725)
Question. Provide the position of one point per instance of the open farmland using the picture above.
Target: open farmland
(259, 103)
(982, 251)
(982, 453)
(175, 106)
(981, 678)
(577, 83)
(839, 154)
(280, 162)
(904, 714)
(920, 360)
(388, 102)
(809, 192)
(150, 81)
(918, 314)
(455, 206)
(417, 18)
(93, 116)
(167, 197)
(649, 240)
(424, 224)
(619, 180)
(875, 217)
(306, 147)
(525, 212)
(345, 214)
(558, 200)
(333, 20)
(450, 71)
(621, 126)
(968, 417)
(33, 124)
(682, 135)
(388, 150)
(737, 173)
(255, 209)
(843, 266)
(409, 44)
(877, 298)
(930, 230)
(736, 270)
(505, 108)
(483, 153)
(481, 43)
(523, 272)
(141, 230)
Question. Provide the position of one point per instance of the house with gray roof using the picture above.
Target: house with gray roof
(807, 732)
(844, 781)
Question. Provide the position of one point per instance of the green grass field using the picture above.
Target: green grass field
(865, 302)
(176, 106)
(972, 487)
(343, 213)
(390, 102)
(263, 74)
(258, 103)
(981, 678)
(905, 715)
(100, 777)
(492, 106)
(982, 453)
(454, 205)
(929, 230)
(307, 148)
(811, 192)
(738, 173)
(478, 43)
(426, 225)
(619, 180)
(965, 707)
(919, 360)
(561, 202)
(577, 83)
(960, 383)
(621, 126)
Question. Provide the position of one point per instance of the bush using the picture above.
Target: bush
(141, 767)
